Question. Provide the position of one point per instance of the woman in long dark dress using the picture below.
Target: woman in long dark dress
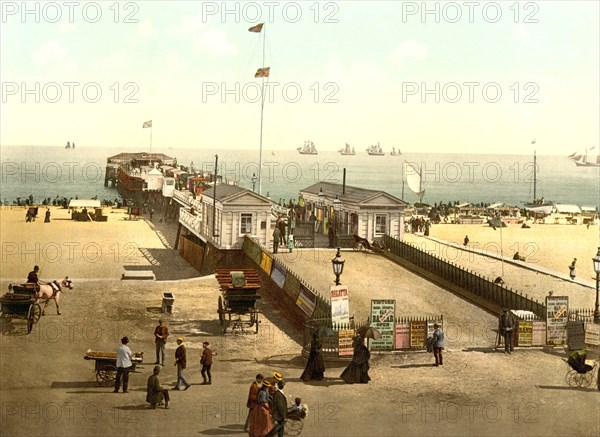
(358, 370)
(315, 368)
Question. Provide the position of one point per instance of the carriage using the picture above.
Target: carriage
(106, 365)
(237, 302)
(361, 243)
(21, 306)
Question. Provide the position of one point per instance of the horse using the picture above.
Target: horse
(51, 291)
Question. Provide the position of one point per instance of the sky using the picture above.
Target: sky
(435, 77)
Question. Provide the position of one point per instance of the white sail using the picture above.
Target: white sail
(414, 180)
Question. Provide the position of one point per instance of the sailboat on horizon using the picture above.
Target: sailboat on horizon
(582, 160)
(414, 179)
(538, 206)
(347, 150)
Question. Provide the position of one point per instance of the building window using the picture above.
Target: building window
(246, 224)
(380, 224)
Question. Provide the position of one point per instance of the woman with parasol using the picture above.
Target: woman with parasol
(315, 368)
(358, 370)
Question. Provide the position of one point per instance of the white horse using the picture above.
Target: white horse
(51, 291)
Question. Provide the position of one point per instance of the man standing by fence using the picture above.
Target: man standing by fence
(505, 328)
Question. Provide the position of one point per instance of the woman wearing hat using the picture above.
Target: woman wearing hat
(260, 423)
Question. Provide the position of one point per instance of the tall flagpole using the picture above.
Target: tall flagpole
(151, 139)
(262, 107)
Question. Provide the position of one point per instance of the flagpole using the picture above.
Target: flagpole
(151, 139)
(262, 107)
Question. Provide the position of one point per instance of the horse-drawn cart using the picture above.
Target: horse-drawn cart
(106, 365)
(20, 306)
(361, 243)
(237, 303)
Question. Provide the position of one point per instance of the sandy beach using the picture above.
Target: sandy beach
(406, 392)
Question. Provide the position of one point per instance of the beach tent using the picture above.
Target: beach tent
(84, 203)
(567, 209)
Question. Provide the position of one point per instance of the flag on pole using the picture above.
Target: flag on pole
(262, 72)
(147, 124)
(533, 142)
(257, 28)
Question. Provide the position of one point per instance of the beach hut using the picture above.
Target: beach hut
(569, 214)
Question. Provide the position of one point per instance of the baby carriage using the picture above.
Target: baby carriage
(295, 420)
(580, 374)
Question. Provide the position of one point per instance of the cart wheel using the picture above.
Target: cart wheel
(293, 427)
(30, 318)
(37, 311)
(106, 376)
(571, 378)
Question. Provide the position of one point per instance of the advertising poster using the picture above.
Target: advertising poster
(306, 300)
(278, 275)
(266, 263)
(525, 333)
(345, 342)
(383, 317)
(418, 331)
(340, 308)
(556, 320)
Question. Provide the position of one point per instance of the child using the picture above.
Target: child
(297, 410)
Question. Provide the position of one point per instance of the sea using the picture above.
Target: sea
(50, 171)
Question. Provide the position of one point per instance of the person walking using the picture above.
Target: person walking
(276, 237)
(358, 369)
(206, 360)
(260, 423)
(161, 332)
(253, 399)
(155, 394)
(278, 411)
(124, 364)
(505, 328)
(438, 344)
(181, 362)
(47, 217)
(315, 368)
(466, 241)
(572, 271)
(331, 235)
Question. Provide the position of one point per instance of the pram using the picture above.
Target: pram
(295, 421)
(579, 374)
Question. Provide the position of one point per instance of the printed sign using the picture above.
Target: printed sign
(592, 334)
(266, 263)
(575, 335)
(383, 314)
(306, 300)
(340, 309)
(539, 333)
(556, 320)
(402, 336)
(278, 275)
(525, 337)
(345, 342)
(418, 331)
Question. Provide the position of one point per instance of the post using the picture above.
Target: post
(596, 261)
(215, 198)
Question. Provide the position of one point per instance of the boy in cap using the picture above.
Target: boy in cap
(206, 361)
(181, 362)
(123, 365)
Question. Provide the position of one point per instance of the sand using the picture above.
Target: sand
(47, 388)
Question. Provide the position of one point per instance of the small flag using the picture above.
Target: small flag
(147, 124)
(262, 72)
(257, 28)
(592, 148)
(533, 142)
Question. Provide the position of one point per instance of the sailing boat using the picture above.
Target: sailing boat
(582, 160)
(68, 146)
(538, 205)
(394, 153)
(308, 149)
(347, 150)
(375, 150)
(414, 179)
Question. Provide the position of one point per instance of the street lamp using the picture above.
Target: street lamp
(338, 266)
(596, 261)
(254, 179)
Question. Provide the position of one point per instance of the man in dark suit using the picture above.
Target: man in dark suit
(279, 411)
(506, 326)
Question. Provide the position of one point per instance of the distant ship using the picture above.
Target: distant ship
(68, 146)
(347, 150)
(394, 153)
(375, 150)
(308, 149)
(581, 160)
(539, 206)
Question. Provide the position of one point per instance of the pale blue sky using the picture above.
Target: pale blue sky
(372, 61)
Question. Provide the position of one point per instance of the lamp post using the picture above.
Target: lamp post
(596, 261)
(254, 179)
(338, 266)
(337, 206)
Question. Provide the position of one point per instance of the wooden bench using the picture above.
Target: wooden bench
(138, 275)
